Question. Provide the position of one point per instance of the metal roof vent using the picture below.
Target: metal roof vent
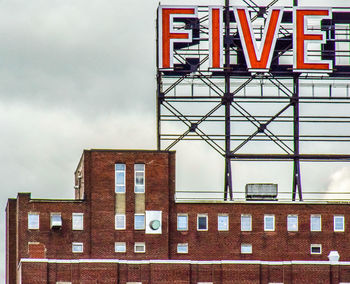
(56, 221)
(261, 191)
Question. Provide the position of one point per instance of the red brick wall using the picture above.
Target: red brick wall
(11, 265)
(157, 273)
(102, 202)
(277, 245)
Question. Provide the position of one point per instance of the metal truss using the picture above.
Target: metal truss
(223, 108)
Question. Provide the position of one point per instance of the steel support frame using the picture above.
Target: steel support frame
(227, 98)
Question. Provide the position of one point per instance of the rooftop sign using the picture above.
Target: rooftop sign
(308, 34)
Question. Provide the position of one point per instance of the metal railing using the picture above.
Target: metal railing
(216, 196)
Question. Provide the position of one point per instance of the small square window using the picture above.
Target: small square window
(316, 249)
(182, 248)
(223, 222)
(77, 247)
(315, 223)
(182, 222)
(77, 221)
(56, 220)
(246, 222)
(120, 178)
(202, 222)
(292, 223)
(120, 222)
(339, 223)
(246, 248)
(269, 222)
(33, 221)
(120, 247)
(139, 223)
(139, 172)
(140, 248)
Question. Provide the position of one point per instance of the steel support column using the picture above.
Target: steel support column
(159, 92)
(296, 160)
(296, 122)
(227, 102)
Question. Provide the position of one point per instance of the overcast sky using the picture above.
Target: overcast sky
(81, 74)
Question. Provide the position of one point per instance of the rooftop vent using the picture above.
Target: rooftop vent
(261, 191)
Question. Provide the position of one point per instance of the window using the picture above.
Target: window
(33, 221)
(77, 247)
(315, 223)
(292, 223)
(316, 249)
(55, 220)
(120, 247)
(140, 248)
(223, 222)
(182, 248)
(78, 221)
(269, 222)
(246, 248)
(139, 178)
(339, 223)
(139, 222)
(202, 222)
(120, 223)
(246, 222)
(182, 222)
(120, 178)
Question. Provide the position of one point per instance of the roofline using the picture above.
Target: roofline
(57, 200)
(260, 202)
(180, 261)
(128, 150)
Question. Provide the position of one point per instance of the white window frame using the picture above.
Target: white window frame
(246, 246)
(242, 223)
(143, 227)
(184, 245)
(226, 228)
(314, 246)
(177, 219)
(343, 223)
(289, 225)
(206, 219)
(144, 177)
(312, 228)
(78, 244)
(117, 171)
(116, 244)
(37, 224)
(267, 216)
(75, 226)
(116, 223)
(140, 244)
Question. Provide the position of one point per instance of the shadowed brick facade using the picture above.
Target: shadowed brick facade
(169, 254)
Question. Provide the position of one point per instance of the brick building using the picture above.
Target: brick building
(126, 226)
